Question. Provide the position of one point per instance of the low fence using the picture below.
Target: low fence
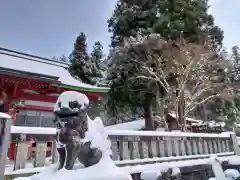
(131, 147)
(143, 144)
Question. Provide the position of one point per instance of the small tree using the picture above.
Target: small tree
(79, 60)
(97, 53)
(98, 68)
(82, 65)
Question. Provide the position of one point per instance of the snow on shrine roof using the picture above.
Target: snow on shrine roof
(34, 64)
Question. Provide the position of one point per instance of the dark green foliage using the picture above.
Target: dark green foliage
(170, 18)
(97, 53)
(130, 17)
(229, 111)
(79, 59)
(231, 108)
(82, 65)
(132, 86)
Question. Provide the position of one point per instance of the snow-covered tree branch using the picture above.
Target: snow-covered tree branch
(198, 76)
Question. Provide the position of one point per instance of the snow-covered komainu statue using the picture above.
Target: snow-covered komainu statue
(71, 120)
(83, 138)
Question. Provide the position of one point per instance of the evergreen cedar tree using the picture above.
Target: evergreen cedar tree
(82, 65)
(172, 19)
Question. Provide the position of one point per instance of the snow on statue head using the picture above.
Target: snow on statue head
(72, 122)
(69, 103)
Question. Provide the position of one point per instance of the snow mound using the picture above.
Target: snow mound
(231, 173)
(98, 136)
(176, 172)
(104, 170)
(151, 174)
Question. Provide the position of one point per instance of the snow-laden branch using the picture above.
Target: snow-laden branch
(163, 84)
(200, 92)
(151, 74)
(193, 66)
(189, 109)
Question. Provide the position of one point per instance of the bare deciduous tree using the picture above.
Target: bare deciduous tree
(200, 76)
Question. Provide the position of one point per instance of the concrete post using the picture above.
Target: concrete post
(5, 132)
(235, 145)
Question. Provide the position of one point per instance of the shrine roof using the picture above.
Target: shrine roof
(18, 61)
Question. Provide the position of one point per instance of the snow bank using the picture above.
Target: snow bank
(187, 118)
(231, 173)
(133, 125)
(104, 170)
(98, 136)
(151, 174)
(176, 171)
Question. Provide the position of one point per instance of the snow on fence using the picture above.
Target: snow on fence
(156, 146)
(133, 147)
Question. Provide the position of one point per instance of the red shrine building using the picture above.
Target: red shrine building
(33, 84)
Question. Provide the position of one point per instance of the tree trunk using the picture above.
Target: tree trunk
(160, 109)
(181, 108)
(205, 112)
(163, 115)
(149, 125)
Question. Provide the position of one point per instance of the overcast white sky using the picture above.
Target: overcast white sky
(49, 27)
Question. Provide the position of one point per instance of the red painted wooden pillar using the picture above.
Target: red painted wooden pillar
(12, 150)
